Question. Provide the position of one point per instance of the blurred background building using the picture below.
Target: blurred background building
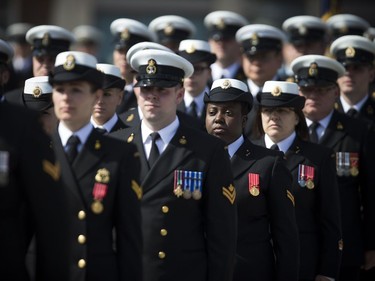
(100, 13)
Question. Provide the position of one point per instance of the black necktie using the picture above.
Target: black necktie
(313, 133)
(101, 131)
(352, 112)
(275, 147)
(72, 150)
(192, 110)
(154, 153)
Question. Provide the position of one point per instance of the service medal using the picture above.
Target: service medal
(178, 191)
(97, 207)
(310, 171)
(197, 194)
(187, 194)
(254, 191)
(254, 187)
(310, 184)
(354, 163)
(354, 171)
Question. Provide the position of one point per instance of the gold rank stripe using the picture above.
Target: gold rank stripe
(51, 169)
(137, 189)
(230, 193)
(290, 196)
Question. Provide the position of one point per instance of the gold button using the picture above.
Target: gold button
(81, 215)
(81, 263)
(161, 255)
(81, 239)
(163, 232)
(165, 209)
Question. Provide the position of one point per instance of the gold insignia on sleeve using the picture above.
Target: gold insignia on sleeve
(313, 70)
(130, 138)
(350, 52)
(230, 193)
(102, 176)
(52, 169)
(276, 91)
(341, 245)
(339, 126)
(37, 92)
(151, 67)
(130, 118)
(97, 145)
(70, 62)
(290, 196)
(137, 189)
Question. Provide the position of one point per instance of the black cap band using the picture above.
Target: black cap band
(112, 81)
(318, 77)
(218, 32)
(129, 41)
(311, 35)
(229, 95)
(283, 100)
(355, 56)
(51, 47)
(198, 56)
(251, 46)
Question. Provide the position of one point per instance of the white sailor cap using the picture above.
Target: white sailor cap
(370, 33)
(128, 32)
(223, 24)
(347, 24)
(49, 39)
(229, 90)
(172, 28)
(76, 66)
(87, 34)
(316, 70)
(16, 32)
(260, 37)
(281, 94)
(196, 51)
(353, 49)
(158, 68)
(6, 52)
(37, 93)
(145, 46)
(112, 76)
(305, 29)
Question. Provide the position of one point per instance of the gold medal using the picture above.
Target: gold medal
(254, 191)
(197, 194)
(178, 191)
(354, 171)
(187, 194)
(97, 207)
(310, 184)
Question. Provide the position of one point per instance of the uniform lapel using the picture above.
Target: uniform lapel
(67, 174)
(243, 159)
(175, 153)
(334, 132)
(294, 155)
(92, 152)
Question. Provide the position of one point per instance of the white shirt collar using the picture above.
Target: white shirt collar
(357, 106)
(166, 134)
(228, 72)
(199, 100)
(107, 125)
(323, 124)
(82, 134)
(234, 146)
(283, 145)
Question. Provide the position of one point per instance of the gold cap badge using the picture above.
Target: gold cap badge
(190, 49)
(37, 92)
(70, 63)
(350, 52)
(169, 29)
(220, 24)
(182, 140)
(151, 68)
(254, 39)
(313, 70)
(125, 34)
(226, 84)
(276, 91)
(302, 30)
(46, 39)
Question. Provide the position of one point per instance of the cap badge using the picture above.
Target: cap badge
(151, 68)
(46, 39)
(302, 30)
(276, 91)
(313, 70)
(220, 24)
(169, 29)
(37, 92)
(190, 49)
(226, 84)
(254, 39)
(350, 52)
(70, 62)
(125, 34)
